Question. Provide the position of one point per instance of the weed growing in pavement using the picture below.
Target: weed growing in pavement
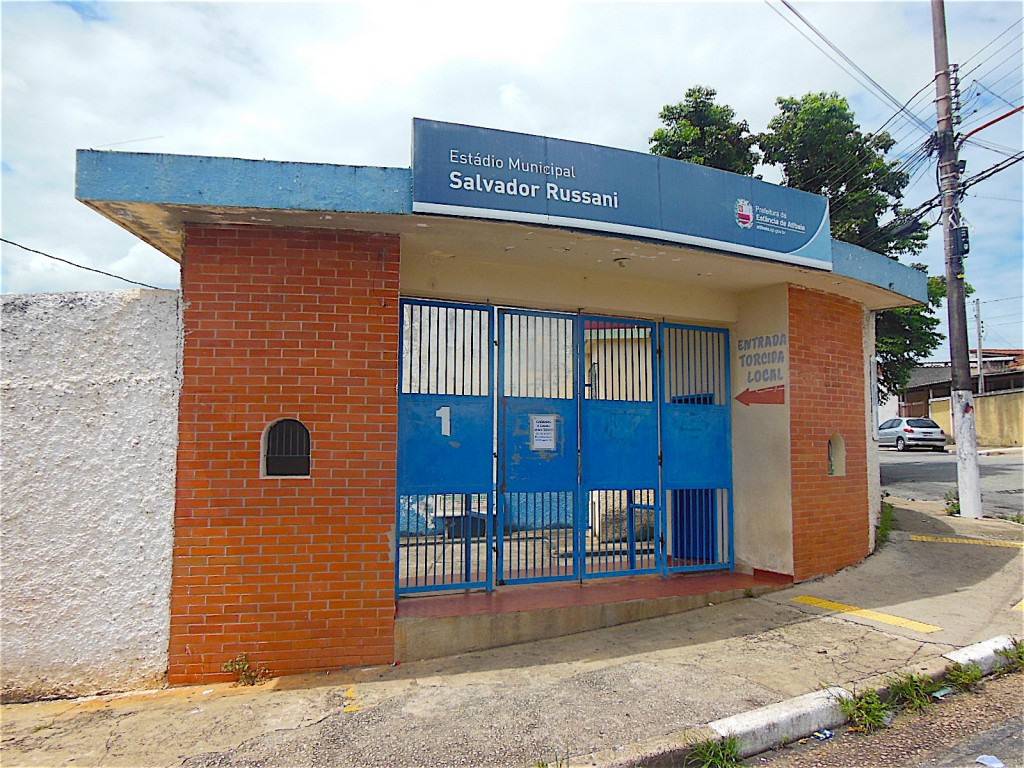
(245, 672)
(886, 521)
(963, 677)
(1018, 519)
(913, 692)
(866, 711)
(714, 753)
(952, 502)
(561, 761)
(1013, 657)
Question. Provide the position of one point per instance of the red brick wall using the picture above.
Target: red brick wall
(827, 396)
(296, 572)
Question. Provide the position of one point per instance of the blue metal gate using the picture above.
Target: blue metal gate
(538, 446)
(619, 477)
(696, 445)
(445, 448)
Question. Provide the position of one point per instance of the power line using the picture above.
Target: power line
(970, 133)
(997, 79)
(999, 149)
(982, 112)
(997, 95)
(991, 55)
(993, 40)
(876, 235)
(73, 264)
(1001, 199)
(1005, 298)
(880, 90)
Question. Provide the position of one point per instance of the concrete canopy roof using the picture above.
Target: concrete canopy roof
(155, 196)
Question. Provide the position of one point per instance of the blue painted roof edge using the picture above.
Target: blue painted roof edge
(876, 269)
(190, 180)
(135, 177)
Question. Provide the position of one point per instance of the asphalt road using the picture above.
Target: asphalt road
(929, 476)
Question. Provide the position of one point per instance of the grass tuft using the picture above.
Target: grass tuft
(866, 711)
(245, 672)
(952, 502)
(886, 522)
(714, 753)
(912, 692)
(1013, 657)
(964, 677)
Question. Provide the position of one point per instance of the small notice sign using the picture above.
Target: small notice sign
(543, 432)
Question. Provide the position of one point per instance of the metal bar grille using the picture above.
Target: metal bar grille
(699, 532)
(287, 449)
(536, 541)
(695, 370)
(445, 350)
(553, 507)
(537, 356)
(622, 537)
(696, 445)
(443, 541)
(618, 360)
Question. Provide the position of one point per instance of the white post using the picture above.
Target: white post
(968, 475)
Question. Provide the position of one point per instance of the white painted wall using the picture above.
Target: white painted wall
(90, 385)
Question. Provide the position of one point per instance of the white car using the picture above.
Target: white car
(904, 433)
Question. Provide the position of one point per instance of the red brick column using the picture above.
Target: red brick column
(295, 572)
(827, 396)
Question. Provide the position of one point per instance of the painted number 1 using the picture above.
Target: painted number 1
(444, 413)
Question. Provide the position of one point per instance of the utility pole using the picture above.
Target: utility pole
(961, 400)
(981, 352)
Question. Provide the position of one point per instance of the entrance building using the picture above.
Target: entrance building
(521, 366)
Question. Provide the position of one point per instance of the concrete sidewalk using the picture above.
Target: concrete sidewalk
(616, 696)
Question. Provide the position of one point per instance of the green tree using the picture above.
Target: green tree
(700, 131)
(816, 142)
(820, 148)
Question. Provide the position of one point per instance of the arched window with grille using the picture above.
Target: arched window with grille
(286, 449)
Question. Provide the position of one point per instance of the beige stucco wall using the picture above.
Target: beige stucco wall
(999, 417)
(938, 411)
(762, 505)
(563, 289)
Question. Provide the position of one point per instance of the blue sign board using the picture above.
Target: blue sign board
(462, 170)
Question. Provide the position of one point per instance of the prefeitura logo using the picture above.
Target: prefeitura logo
(744, 214)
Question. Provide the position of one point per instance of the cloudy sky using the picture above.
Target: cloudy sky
(340, 83)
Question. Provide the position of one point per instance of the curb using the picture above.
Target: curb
(985, 654)
(761, 729)
(1000, 451)
(758, 730)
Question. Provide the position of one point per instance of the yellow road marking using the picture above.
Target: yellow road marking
(866, 613)
(350, 696)
(1019, 606)
(950, 540)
